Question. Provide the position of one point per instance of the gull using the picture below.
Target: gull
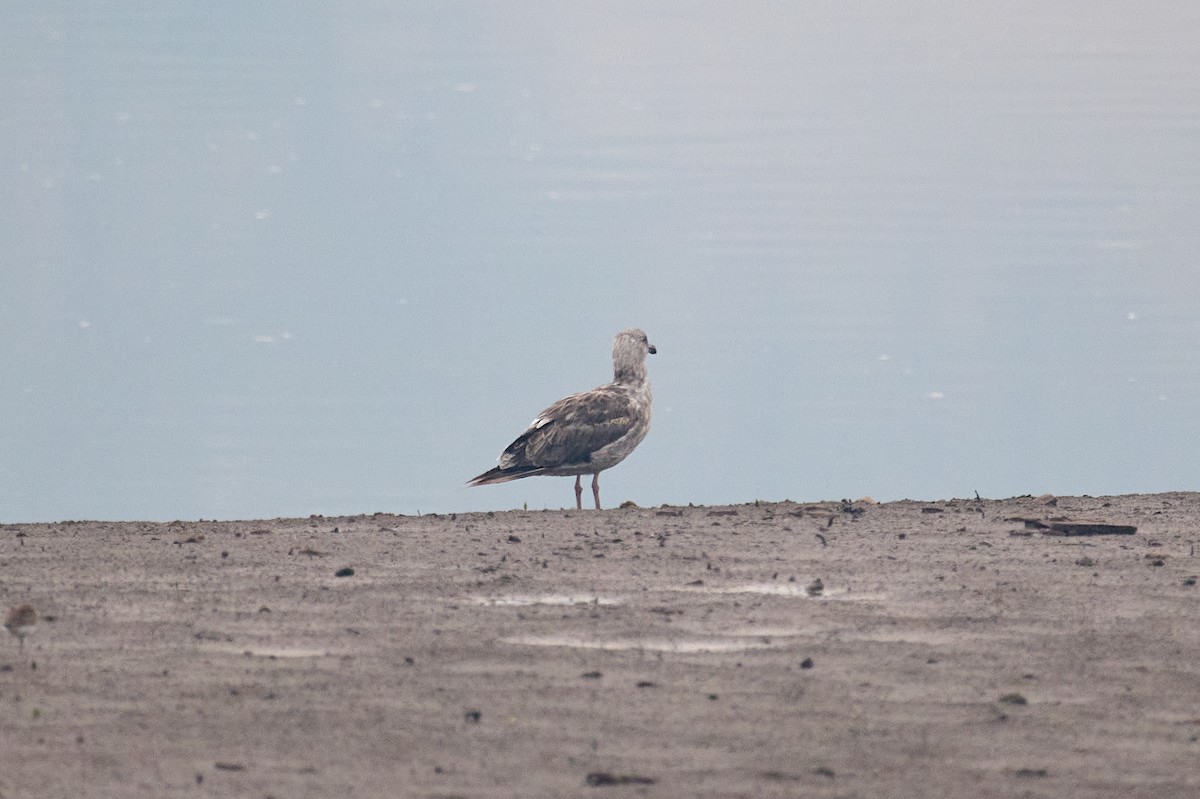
(588, 432)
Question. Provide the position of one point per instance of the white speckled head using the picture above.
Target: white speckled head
(630, 349)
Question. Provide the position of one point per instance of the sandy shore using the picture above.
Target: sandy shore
(824, 650)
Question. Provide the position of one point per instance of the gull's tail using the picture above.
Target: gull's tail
(498, 475)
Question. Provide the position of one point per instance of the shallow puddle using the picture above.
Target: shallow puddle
(675, 645)
(524, 600)
(271, 651)
(799, 590)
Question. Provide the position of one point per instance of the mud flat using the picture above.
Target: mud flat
(963, 648)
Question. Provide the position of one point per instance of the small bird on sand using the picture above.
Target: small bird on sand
(21, 621)
(588, 432)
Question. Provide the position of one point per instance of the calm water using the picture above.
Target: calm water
(332, 257)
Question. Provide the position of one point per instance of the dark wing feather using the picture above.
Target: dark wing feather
(565, 435)
(577, 426)
(570, 430)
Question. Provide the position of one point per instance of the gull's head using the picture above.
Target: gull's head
(632, 342)
(630, 349)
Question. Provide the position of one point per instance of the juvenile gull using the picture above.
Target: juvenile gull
(588, 432)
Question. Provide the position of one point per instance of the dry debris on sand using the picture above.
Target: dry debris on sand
(820, 650)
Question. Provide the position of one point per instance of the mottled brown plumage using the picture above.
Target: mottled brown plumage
(588, 432)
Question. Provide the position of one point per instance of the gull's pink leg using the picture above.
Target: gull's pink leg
(578, 494)
(596, 488)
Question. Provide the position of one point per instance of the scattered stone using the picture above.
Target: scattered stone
(933, 510)
(780, 776)
(604, 778)
(1031, 772)
(1014, 699)
(807, 663)
(591, 675)
(472, 716)
(1085, 561)
(815, 587)
(1088, 528)
(849, 507)
(225, 766)
(345, 571)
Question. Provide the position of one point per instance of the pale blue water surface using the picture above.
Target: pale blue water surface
(293, 258)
